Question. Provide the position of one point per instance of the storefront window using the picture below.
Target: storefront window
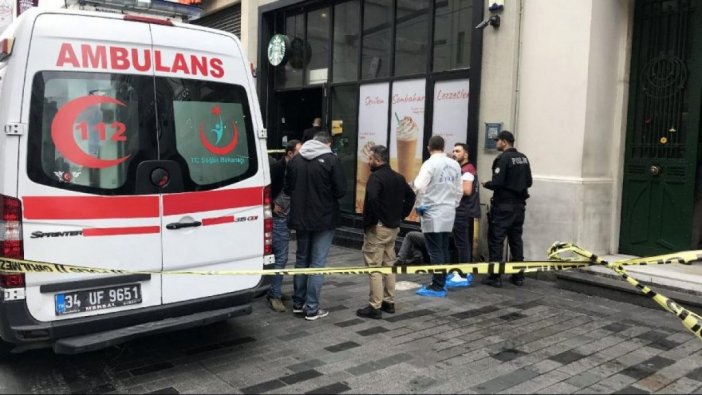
(346, 40)
(289, 75)
(373, 110)
(452, 34)
(377, 34)
(344, 119)
(318, 39)
(411, 37)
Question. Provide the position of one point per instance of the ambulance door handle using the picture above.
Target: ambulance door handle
(178, 225)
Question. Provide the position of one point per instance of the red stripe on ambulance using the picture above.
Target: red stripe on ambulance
(90, 207)
(117, 207)
(218, 221)
(132, 230)
(195, 202)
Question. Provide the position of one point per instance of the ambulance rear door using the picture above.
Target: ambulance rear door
(207, 114)
(90, 108)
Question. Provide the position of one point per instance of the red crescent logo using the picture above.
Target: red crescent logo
(220, 150)
(62, 132)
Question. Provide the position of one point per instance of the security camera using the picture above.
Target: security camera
(483, 24)
(493, 21)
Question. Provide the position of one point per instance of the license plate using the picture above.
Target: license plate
(97, 299)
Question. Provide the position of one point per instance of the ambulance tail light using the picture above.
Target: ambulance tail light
(267, 221)
(15, 280)
(6, 47)
(11, 245)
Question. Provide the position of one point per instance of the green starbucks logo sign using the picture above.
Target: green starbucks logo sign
(278, 49)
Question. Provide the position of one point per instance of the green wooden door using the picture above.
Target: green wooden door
(663, 127)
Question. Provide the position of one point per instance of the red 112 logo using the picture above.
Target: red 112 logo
(62, 132)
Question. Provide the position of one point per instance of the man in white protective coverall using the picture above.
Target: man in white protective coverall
(439, 188)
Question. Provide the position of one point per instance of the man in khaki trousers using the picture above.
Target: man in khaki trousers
(389, 199)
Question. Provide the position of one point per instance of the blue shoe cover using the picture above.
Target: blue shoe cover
(428, 292)
(456, 281)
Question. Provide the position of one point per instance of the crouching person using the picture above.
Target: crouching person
(388, 200)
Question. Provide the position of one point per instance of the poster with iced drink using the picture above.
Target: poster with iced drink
(372, 130)
(407, 129)
(451, 111)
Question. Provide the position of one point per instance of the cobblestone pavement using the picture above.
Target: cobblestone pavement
(536, 338)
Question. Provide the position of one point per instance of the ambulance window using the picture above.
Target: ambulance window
(88, 131)
(214, 139)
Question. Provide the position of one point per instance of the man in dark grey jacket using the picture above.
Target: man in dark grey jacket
(314, 181)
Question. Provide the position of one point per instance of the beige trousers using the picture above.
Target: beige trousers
(379, 250)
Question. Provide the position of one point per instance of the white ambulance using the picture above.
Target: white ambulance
(134, 143)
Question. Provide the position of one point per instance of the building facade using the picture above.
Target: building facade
(603, 96)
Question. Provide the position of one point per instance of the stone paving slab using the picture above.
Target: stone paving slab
(533, 339)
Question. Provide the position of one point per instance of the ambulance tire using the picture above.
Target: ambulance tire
(5, 349)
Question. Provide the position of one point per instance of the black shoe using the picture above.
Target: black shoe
(369, 312)
(517, 279)
(493, 280)
(388, 307)
(298, 309)
(435, 288)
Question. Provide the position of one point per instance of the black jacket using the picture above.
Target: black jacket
(314, 181)
(389, 198)
(277, 176)
(511, 177)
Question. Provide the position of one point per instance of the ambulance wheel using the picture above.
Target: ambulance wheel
(5, 349)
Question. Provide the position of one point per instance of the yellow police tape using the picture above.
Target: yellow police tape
(562, 256)
(691, 321)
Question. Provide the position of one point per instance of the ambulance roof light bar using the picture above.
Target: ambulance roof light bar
(153, 7)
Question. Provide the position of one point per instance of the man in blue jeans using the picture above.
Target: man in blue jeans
(281, 233)
(439, 190)
(314, 181)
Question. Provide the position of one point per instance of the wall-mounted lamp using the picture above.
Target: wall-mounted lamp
(496, 6)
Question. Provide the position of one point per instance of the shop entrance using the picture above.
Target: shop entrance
(296, 111)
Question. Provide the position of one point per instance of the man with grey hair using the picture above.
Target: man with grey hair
(388, 200)
(314, 181)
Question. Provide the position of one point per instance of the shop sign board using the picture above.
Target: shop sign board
(278, 50)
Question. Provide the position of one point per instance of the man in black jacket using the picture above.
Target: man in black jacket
(314, 181)
(511, 179)
(388, 200)
(281, 234)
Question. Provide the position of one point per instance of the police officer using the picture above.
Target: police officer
(511, 177)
